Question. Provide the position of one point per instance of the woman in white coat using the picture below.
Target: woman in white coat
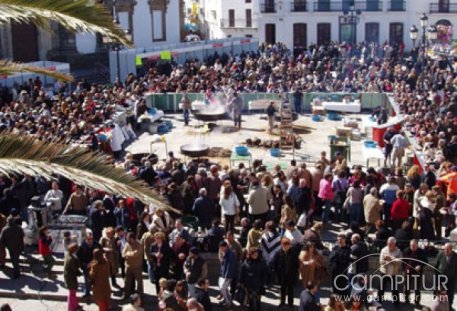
(230, 204)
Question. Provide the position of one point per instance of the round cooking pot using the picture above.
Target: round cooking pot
(195, 150)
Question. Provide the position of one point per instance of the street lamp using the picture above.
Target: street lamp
(424, 24)
(351, 17)
(432, 33)
(116, 46)
(413, 34)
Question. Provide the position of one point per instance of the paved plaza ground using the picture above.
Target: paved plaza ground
(314, 136)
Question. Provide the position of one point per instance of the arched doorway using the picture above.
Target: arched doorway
(445, 31)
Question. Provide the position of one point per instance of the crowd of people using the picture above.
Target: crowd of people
(265, 226)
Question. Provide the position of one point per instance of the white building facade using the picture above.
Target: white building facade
(221, 19)
(298, 23)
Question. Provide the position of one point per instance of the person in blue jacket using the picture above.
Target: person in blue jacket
(229, 271)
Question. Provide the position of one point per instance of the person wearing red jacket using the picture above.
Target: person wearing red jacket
(400, 210)
(44, 249)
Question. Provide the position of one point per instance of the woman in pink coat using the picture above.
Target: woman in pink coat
(326, 194)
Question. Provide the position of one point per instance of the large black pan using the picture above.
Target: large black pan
(209, 116)
(195, 150)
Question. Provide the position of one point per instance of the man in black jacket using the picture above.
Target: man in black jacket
(203, 208)
(286, 261)
(339, 262)
(446, 263)
(253, 278)
(201, 294)
(195, 268)
(358, 251)
(12, 237)
(85, 255)
(413, 265)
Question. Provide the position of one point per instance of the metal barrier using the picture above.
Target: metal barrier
(170, 101)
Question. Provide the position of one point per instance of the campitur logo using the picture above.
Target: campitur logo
(354, 284)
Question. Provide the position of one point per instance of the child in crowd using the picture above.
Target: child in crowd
(44, 249)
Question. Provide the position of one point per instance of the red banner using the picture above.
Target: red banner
(218, 45)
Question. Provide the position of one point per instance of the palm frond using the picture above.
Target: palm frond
(74, 15)
(28, 155)
(8, 68)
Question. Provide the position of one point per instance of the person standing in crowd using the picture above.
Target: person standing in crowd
(161, 255)
(270, 244)
(286, 262)
(86, 255)
(339, 260)
(195, 268)
(340, 187)
(186, 107)
(399, 144)
(298, 96)
(388, 147)
(326, 194)
(230, 205)
(400, 210)
(446, 263)
(258, 200)
(45, 250)
(99, 273)
(122, 215)
(308, 300)
(54, 197)
(111, 249)
(97, 219)
(228, 271)
(254, 235)
(359, 250)
(161, 220)
(71, 272)
(427, 205)
(372, 209)
(177, 231)
(355, 197)
(236, 248)
(202, 295)
(311, 264)
(450, 180)
(213, 185)
(180, 251)
(12, 238)
(133, 256)
(253, 278)
(203, 209)
(236, 105)
(388, 193)
(390, 266)
(413, 266)
(271, 110)
(77, 203)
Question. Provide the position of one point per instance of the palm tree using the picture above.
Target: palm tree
(29, 156)
(75, 15)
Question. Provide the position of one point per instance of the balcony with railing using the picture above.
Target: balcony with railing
(237, 23)
(342, 6)
(298, 6)
(268, 7)
(444, 7)
(396, 6)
